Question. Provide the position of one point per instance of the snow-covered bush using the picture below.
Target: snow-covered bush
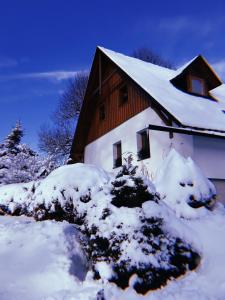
(183, 187)
(63, 191)
(18, 163)
(141, 254)
(125, 245)
(130, 190)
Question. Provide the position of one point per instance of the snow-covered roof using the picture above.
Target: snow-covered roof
(183, 67)
(189, 110)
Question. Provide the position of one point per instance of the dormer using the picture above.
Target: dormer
(196, 77)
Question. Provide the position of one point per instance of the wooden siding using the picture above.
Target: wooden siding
(104, 84)
(115, 112)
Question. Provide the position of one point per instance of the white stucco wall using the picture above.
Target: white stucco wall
(209, 154)
(100, 152)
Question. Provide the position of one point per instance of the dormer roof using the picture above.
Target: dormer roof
(200, 67)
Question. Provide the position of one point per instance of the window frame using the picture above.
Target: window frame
(143, 152)
(190, 85)
(117, 159)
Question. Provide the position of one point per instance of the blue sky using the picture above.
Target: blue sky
(42, 43)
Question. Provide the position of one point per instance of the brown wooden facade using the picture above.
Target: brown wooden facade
(104, 88)
(115, 112)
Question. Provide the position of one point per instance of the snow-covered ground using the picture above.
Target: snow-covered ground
(44, 260)
(41, 260)
(208, 281)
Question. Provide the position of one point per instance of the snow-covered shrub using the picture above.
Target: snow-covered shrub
(19, 163)
(125, 245)
(130, 190)
(63, 195)
(141, 255)
(182, 185)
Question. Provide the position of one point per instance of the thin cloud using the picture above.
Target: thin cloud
(182, 24)
(6, 62)
(57, 75)
(53, 75)
(174, 25)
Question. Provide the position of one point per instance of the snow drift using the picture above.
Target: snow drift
(39, 259)
(182, 186)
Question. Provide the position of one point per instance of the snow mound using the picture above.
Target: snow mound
(183, 187)
(15, 198)
(66, 184)
(40, 260)
(76, 178)
(120, 239)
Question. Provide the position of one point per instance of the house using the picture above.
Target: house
(132, 106)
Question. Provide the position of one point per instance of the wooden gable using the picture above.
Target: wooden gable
(199, 68)
(103, 108)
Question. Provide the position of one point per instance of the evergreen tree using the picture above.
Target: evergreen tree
(129, 189)
(15, 136)
(18, 162)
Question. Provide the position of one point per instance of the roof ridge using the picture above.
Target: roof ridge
(105, 50)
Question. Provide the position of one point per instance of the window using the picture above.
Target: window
(102, 112)
(143, 144)
(123, 95)
(117, 155)
(197, 85)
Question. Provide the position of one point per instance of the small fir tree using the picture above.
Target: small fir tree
(129, 189)
(15, 136)
(19, 163)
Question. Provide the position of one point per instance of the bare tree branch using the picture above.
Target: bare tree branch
(148, 55)
(56, 140)
(71, 100)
